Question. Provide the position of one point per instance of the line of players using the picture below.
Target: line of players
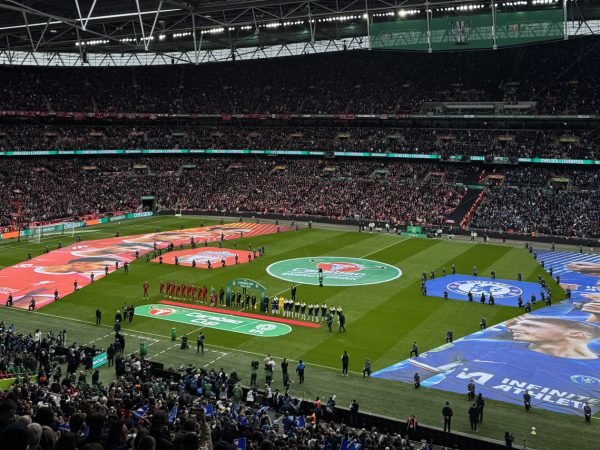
(300, 310)
(279, 305)
(191, 292)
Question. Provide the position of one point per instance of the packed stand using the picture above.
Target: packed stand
(40, 190)
(550, 199)
(348, 82)
(541, 211)
(183, 409)
(443, 141)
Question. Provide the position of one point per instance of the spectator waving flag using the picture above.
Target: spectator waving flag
(173, 414)
(300, 422)
(262, 411)
(344, 444)
(141, 412)
(240, 444)
(350, 445)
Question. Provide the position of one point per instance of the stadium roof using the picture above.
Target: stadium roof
(172, 28)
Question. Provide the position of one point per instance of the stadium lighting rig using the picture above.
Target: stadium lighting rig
(170, 30)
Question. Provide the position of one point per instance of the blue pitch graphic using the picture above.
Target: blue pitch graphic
(580, 272)
(506, 292)
(554, 352)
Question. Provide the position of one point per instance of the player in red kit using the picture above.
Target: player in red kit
(146, 287)
(162, 287)
(189, 292)
(204, 293)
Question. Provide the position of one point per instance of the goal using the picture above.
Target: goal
(36, 234)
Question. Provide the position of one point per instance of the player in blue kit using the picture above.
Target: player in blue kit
(323, 312)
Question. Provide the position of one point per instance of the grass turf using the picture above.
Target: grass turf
(382, 320)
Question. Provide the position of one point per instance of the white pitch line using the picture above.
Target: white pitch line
(402, 239)
(165, 350)
(99, 339)
(83, 321)
(215, 360)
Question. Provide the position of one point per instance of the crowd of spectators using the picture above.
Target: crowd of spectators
(351, 82)
(448, 141)
(39, 190)
(549, 200)
(540, 210)
(142, 409)
(538, 176)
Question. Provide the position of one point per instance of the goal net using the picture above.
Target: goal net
(36, 234)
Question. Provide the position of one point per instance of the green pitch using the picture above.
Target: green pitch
(382, 321)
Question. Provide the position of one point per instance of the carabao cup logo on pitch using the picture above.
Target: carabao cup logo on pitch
(338, 267)
(497, 289)
(336, 271)
(161, 311)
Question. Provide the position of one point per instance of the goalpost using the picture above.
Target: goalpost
(36, 234)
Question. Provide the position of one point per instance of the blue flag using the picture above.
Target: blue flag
(140, 413)
(262, 411)
(240, 444)
(350, 444)
(300, 422)
(209, 410)
(173, 414)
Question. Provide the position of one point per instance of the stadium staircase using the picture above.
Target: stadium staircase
(465, 205)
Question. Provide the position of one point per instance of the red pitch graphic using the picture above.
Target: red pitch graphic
(60, 269)
(161, 311)
(218, 257)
